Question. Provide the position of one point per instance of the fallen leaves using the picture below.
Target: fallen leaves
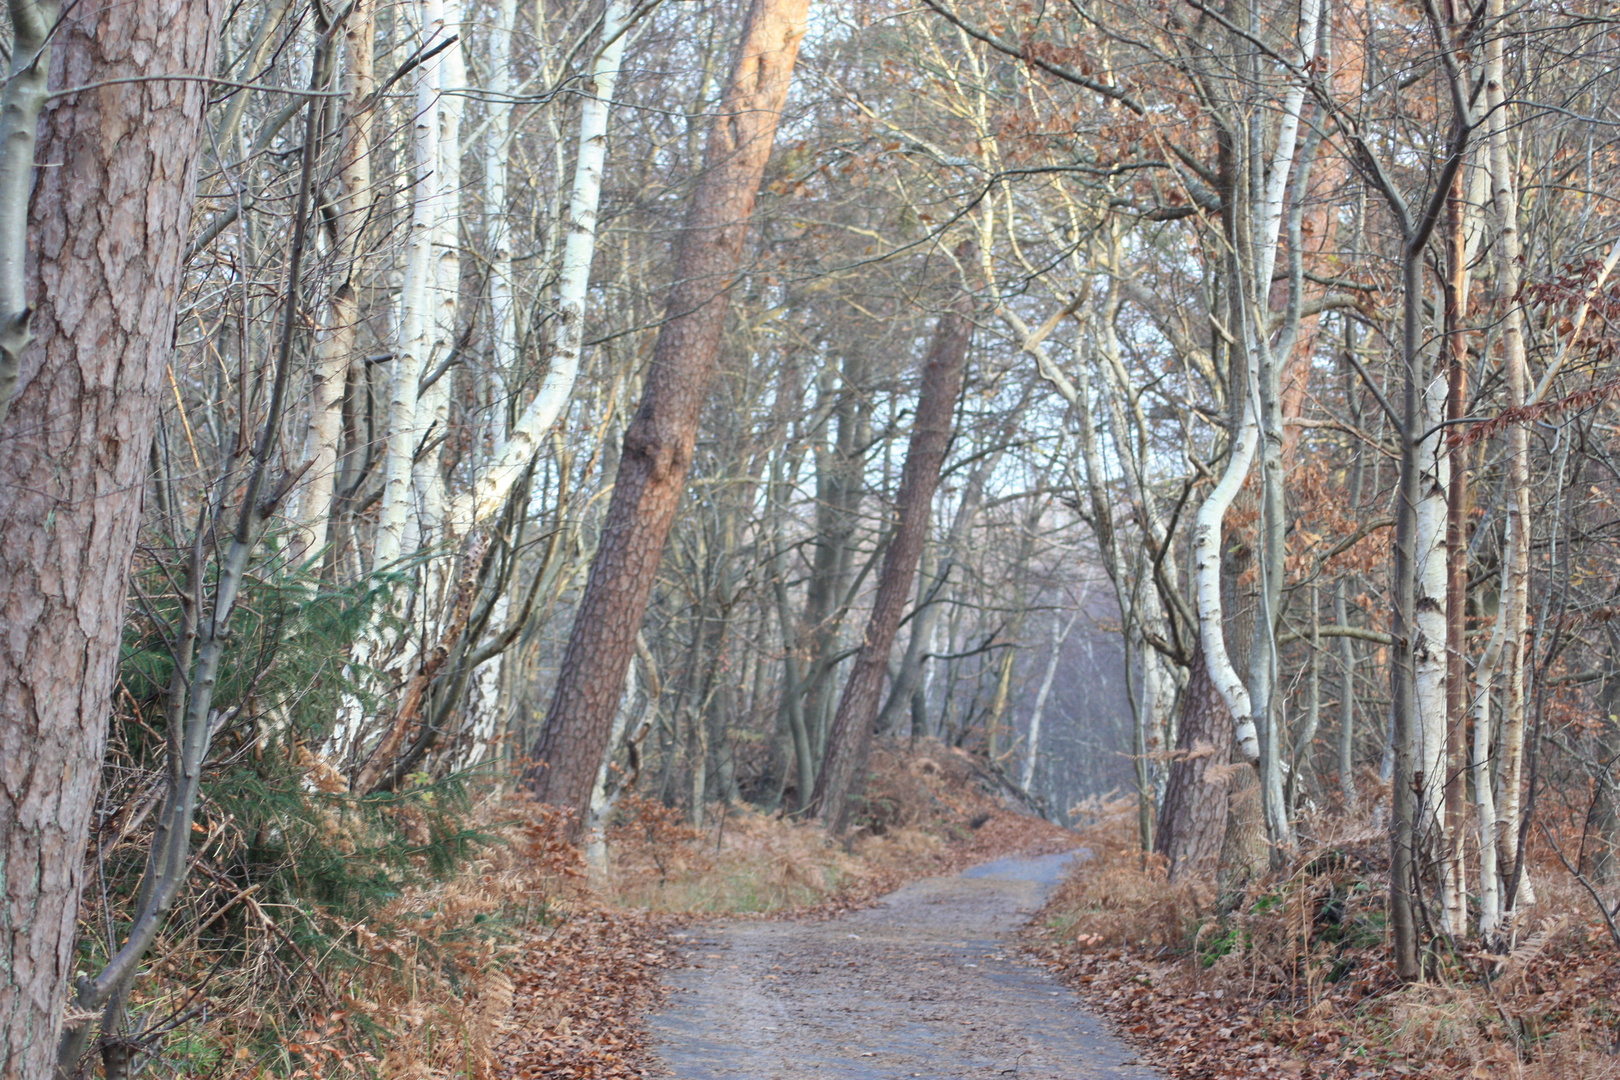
(1278, 989)
(580, 989)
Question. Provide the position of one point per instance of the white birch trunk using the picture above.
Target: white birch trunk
(524, 439)
(334, 347)
(24, 95)
(1207, 584)
(433, 407)
(415, 319)
(497, 232)
(486, 711)
(1059, 636)
(1490, 885)
(596, 852)
(1265, 256)
(1428, 736)
(1159, 702)
(1516, 566)
(1212, 512)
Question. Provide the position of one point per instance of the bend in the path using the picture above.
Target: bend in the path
(926, 983)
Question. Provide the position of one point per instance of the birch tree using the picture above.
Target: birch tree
(523, 441)
(335, 347)
(396, 531)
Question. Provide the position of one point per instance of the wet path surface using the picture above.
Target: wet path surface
(927, 983)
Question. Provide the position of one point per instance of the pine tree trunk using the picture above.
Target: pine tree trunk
(658, 444)
(1192, 824)
(936, 572)
(849, 743)
(109, 224)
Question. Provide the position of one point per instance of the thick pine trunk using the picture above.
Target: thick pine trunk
(108, 223)
(849, 743)
(934, 580)
(658, 444)
(1192, 823)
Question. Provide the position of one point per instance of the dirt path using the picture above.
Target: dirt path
(925, 984)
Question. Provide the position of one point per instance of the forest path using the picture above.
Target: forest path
(926, 983)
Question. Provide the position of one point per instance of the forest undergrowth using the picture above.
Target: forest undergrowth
(1295, 978)
(514, 961)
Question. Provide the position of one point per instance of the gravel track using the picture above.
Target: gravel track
(926, 983)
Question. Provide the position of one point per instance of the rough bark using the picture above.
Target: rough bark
(849, 743)
(935, 579)
(109, 225)
(1212, 799)
(1244, 851)
(658, 444)
(1192, 823)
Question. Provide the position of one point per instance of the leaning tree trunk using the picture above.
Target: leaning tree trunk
(658, 444)
(849, 742)
(108, 224)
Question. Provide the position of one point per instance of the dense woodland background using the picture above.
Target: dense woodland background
(1279, 493)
